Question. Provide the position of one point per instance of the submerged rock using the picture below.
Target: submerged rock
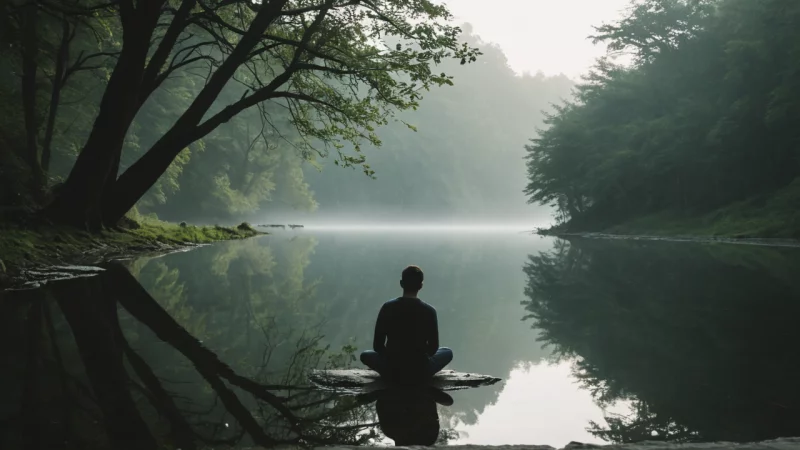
(34, 278)
(363, 380)
(244, 226)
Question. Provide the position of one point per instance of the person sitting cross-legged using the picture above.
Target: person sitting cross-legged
(406, 343)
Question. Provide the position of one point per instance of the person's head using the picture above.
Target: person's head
(411, 281)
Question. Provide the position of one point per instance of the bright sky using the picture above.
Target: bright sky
(546, 35)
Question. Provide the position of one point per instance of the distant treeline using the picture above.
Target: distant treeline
(466, 156)
(705, 118)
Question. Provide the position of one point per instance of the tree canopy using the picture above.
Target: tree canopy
(705, 115)
(331, 70)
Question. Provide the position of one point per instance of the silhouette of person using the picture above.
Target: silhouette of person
(409, 416)
(406, 343)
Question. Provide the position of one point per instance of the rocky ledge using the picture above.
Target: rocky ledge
(363, 380)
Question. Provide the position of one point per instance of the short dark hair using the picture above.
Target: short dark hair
(412, 278)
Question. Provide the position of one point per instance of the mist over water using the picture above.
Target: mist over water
(593, 339)
(411, 222)
(435, 228)
(360, 138)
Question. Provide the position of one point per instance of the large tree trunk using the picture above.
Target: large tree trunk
(30, 50)
(98, 163)
(92, 317)
(31, 403)
(147, 311)
(143, 174)
(55, 95)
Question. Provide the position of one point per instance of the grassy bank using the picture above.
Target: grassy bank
(771, 216)
(28, 246)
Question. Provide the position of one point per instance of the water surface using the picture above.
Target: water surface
(642, 340)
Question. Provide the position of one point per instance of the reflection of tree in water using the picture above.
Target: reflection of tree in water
(77, 374)
(701, 338)
(239, 297)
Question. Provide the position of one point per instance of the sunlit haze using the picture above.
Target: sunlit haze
(420, 228)
(541, 35)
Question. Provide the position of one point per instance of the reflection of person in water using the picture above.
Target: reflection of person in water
(406, 343)
(409, 416)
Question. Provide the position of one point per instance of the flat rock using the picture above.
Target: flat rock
(364, 380)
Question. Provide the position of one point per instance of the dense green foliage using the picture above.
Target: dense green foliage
(456, 149)
(706, 116)
(699, 338)
(457, 152)
(164, 76)
(98, 363)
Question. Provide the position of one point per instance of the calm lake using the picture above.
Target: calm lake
(596, 341)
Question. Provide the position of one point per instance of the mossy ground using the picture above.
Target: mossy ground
(768, 216)
(28, 246)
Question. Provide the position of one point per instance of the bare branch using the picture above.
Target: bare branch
(269, 91)
(308, 9)
(320, 68)
(304, 47)
(73, 10)
(79, 66)
(178, 24)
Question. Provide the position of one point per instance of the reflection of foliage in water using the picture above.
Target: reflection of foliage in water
(701, 338)
(254, 295)
(100, 364)
(260, 295)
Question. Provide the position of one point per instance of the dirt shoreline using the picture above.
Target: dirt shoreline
(769, 242)
(32, 257)
(34, 275)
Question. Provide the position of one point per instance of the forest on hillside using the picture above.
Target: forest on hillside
(466, 157)
(701, 129)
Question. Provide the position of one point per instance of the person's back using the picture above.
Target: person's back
(406, 341)
(410, 329)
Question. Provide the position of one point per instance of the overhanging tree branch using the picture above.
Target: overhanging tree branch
(165, 47)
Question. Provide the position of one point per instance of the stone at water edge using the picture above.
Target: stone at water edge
(366, 380)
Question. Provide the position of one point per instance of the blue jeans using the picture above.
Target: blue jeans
(436, 363)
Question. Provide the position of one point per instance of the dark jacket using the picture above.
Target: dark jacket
(407, 332)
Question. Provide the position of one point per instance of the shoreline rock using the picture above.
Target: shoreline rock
(769, 242)
(355, 381)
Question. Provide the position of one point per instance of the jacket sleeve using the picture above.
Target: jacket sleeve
(433, 340)
(379, 341)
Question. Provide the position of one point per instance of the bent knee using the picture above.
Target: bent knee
(448, 352)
